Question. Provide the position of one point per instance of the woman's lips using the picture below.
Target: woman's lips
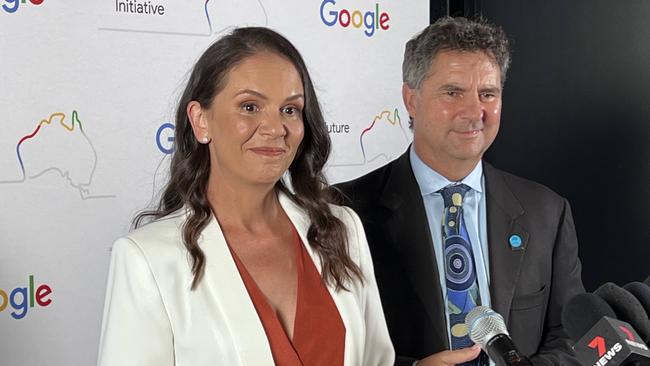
(268, 150)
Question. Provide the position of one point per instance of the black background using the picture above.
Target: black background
(576, 118)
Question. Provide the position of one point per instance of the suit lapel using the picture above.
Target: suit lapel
(223, 285)
(407, 230)
(503, 210)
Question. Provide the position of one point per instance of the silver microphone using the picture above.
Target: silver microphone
(488, 329)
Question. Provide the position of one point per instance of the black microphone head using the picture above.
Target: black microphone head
(642, 293)
(626, 307)
(582, 312)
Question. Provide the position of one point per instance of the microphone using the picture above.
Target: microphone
(647, 281)
(582, 312)
(642, 293)
(626, 307)
(488, 329)
(599, 338)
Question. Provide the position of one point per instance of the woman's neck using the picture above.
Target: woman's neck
(248, 206)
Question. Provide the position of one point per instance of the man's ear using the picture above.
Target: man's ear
(199, 120)
(409, 96)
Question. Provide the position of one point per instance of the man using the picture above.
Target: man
(448, 231)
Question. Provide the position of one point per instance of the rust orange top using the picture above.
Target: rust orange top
(318, 333)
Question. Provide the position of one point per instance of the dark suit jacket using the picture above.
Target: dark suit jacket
(528, 286)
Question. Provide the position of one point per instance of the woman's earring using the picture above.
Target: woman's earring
(205, 140)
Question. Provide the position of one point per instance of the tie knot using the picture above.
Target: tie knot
(453, 194)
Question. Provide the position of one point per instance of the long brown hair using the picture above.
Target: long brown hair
(190, 165)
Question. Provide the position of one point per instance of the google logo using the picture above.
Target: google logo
(370, 20)
(23, 298)
(165, 138)
(10, 6)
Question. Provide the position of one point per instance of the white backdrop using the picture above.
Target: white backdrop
(87, 92)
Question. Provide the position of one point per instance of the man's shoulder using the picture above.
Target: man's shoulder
(524, 189)
(366, 188)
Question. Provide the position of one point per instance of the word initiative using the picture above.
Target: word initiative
(135, 7)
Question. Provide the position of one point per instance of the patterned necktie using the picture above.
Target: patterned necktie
(460, 274)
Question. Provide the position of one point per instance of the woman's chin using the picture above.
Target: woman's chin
(269, 177)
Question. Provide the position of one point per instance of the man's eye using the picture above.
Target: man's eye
(452, 93)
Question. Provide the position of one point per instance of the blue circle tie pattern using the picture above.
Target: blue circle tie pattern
(460, 274)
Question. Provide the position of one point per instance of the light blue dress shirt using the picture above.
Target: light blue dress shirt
(474, 213)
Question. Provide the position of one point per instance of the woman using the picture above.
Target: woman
(244, 264)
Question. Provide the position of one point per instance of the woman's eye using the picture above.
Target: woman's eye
(249, 107)
(291, 110)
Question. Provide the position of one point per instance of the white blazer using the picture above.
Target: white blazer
(152, 318)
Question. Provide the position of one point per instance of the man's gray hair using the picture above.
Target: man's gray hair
(453, 34)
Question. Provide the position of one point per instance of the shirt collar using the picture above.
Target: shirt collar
(431, 181)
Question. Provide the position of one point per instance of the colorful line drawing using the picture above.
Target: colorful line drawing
(391, 117)
(208, 19)
(82, 188)
(75, 119)
(395, 120)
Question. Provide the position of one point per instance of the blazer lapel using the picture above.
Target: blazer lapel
(223, 285)
(407, 230)
(503, 209)
(345, 301)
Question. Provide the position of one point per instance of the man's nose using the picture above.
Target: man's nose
(473, 108)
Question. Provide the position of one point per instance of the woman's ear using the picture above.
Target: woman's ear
(199, 120)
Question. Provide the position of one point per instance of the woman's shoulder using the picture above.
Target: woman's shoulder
(298, 212)
(345, 214)
(163, 229)
(160, 238)
(354, 228)
(356, 241)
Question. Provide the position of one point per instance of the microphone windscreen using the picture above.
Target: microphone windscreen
(626, 307)
(642, 293)
(582, 312)
(647, 281)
